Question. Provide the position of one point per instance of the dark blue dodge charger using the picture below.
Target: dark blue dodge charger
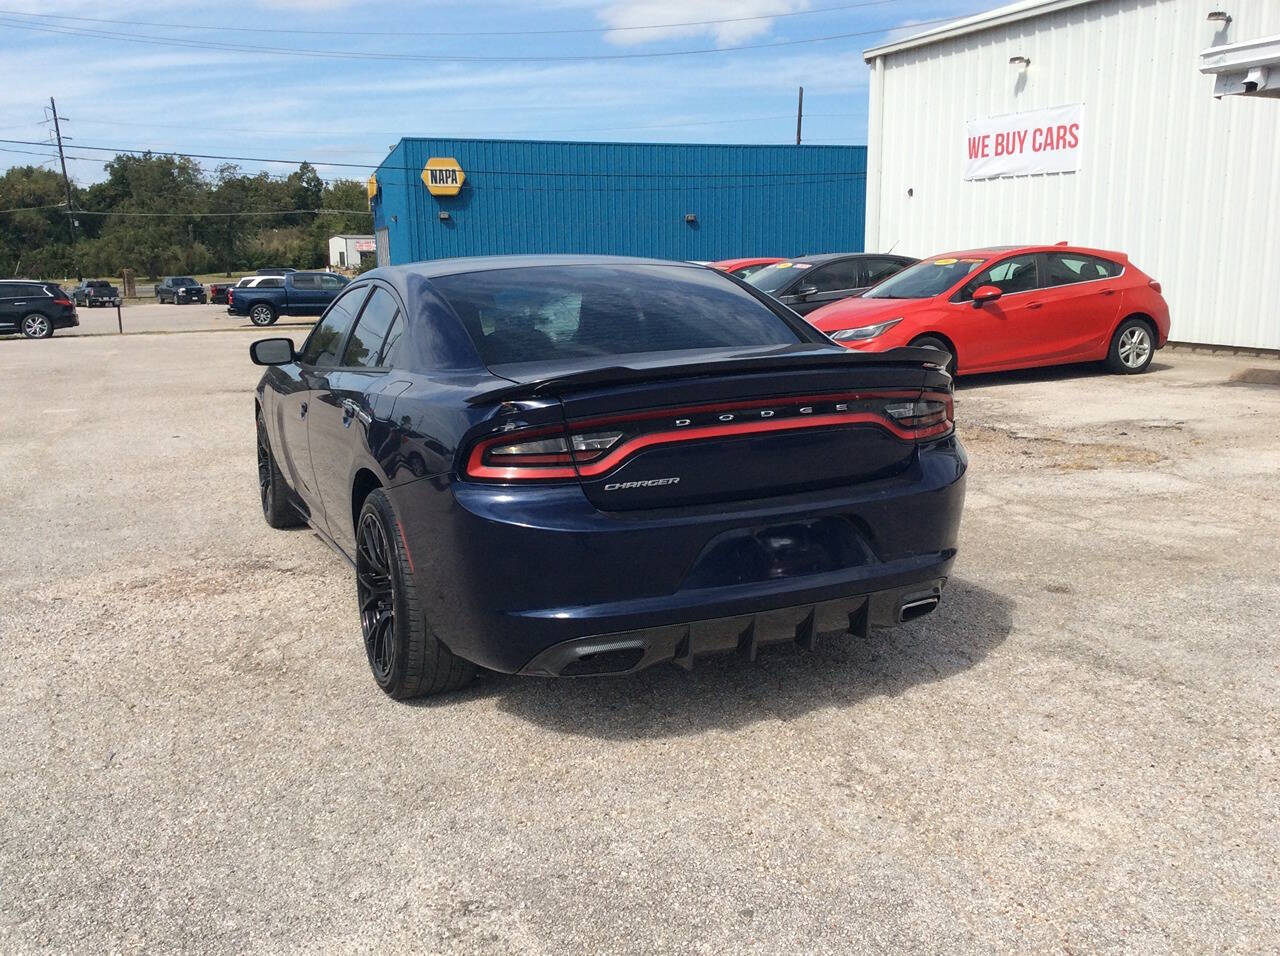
(588, 465)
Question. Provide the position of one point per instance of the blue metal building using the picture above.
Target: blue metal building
(671, 201)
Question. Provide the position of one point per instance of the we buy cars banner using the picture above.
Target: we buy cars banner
(1021, 144)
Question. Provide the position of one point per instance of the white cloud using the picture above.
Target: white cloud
(638, 13)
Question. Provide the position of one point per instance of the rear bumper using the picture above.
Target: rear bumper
(744, 634)
(66, 321)
(530, 582)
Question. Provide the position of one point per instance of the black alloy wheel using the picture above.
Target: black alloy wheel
(376, 592)
(406, 657)
(276, 507)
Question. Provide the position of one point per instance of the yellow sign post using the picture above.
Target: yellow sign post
(443, 176)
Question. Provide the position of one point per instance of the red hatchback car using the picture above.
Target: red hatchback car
(1012, 307)
(741, 268)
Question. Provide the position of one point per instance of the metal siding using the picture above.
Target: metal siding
(1183, 183)
(555, 197)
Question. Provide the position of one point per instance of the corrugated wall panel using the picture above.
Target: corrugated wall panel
(625, 199)
(1185, 184)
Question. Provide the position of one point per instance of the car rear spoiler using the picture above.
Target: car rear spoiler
(555, 384)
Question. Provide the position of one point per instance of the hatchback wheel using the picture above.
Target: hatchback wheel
(933, 342)
(262, 314)
(406, 657)
(1132, 347)
(37, 326)
(272, 489)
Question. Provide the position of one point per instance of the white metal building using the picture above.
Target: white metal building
(1146, 126)
(344, 251)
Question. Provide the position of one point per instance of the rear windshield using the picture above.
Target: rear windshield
(561, 312)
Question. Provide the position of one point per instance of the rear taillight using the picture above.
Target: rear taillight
(61, 301)
(1155, 286)
(592, 448)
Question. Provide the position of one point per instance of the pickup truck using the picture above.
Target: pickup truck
(180, 289)
(93, 292)
(297, 293)
(218, 291)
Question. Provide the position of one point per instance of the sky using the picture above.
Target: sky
(177, 77)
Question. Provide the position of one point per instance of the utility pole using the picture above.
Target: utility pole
(66, 180)
(799, 115)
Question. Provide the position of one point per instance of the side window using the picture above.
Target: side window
(321, 348)
(1065, 268)
(836, 276)
(332, 283)
(271, 283)
(306, 283)
(1012, 275)
(874, 270)
(364, 348)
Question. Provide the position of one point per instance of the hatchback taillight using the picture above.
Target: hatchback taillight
(593, 447)
(61, 301)
(1155, 286)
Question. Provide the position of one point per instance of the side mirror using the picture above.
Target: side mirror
(805, 291)
(984, 294)
(272, 352)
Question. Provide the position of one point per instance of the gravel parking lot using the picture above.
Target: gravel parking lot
(1077, 751)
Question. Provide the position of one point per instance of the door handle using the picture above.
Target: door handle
(352, 410)
(1107, 292)
(1034, 305)
(302, 412)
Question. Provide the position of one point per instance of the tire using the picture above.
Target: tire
(271, 485)
(1132, 347)
(405, 656)
(37, 326)
(933, 342)
(262, 314)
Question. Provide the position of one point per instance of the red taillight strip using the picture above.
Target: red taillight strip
(744, 428)
(527, 467)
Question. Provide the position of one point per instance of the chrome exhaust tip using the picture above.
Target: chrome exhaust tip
(910, 610)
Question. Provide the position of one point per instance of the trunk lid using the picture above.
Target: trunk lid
(674, 431)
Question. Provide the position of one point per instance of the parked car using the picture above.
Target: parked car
(741, 268)
(180, 290)
(810, 282)
(296, 293)
(588, 465)
(35, 308)
(1011, 307)
(95, 292)
(275, 271)
(218, 292)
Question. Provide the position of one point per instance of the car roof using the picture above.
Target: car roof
(447, 267)
(987, 252)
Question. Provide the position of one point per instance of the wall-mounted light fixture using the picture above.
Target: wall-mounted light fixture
(1219, 16)
(444, 216)
(690, 218)
(1021, 62)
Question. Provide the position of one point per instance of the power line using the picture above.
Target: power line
(213, 215)
(448, 33)
(382, 167)
(205, 44)
(586, 129)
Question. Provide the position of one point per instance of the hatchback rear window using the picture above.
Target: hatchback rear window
(561, 312)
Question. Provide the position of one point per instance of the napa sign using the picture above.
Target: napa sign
(443, 176)
(1023, 144)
